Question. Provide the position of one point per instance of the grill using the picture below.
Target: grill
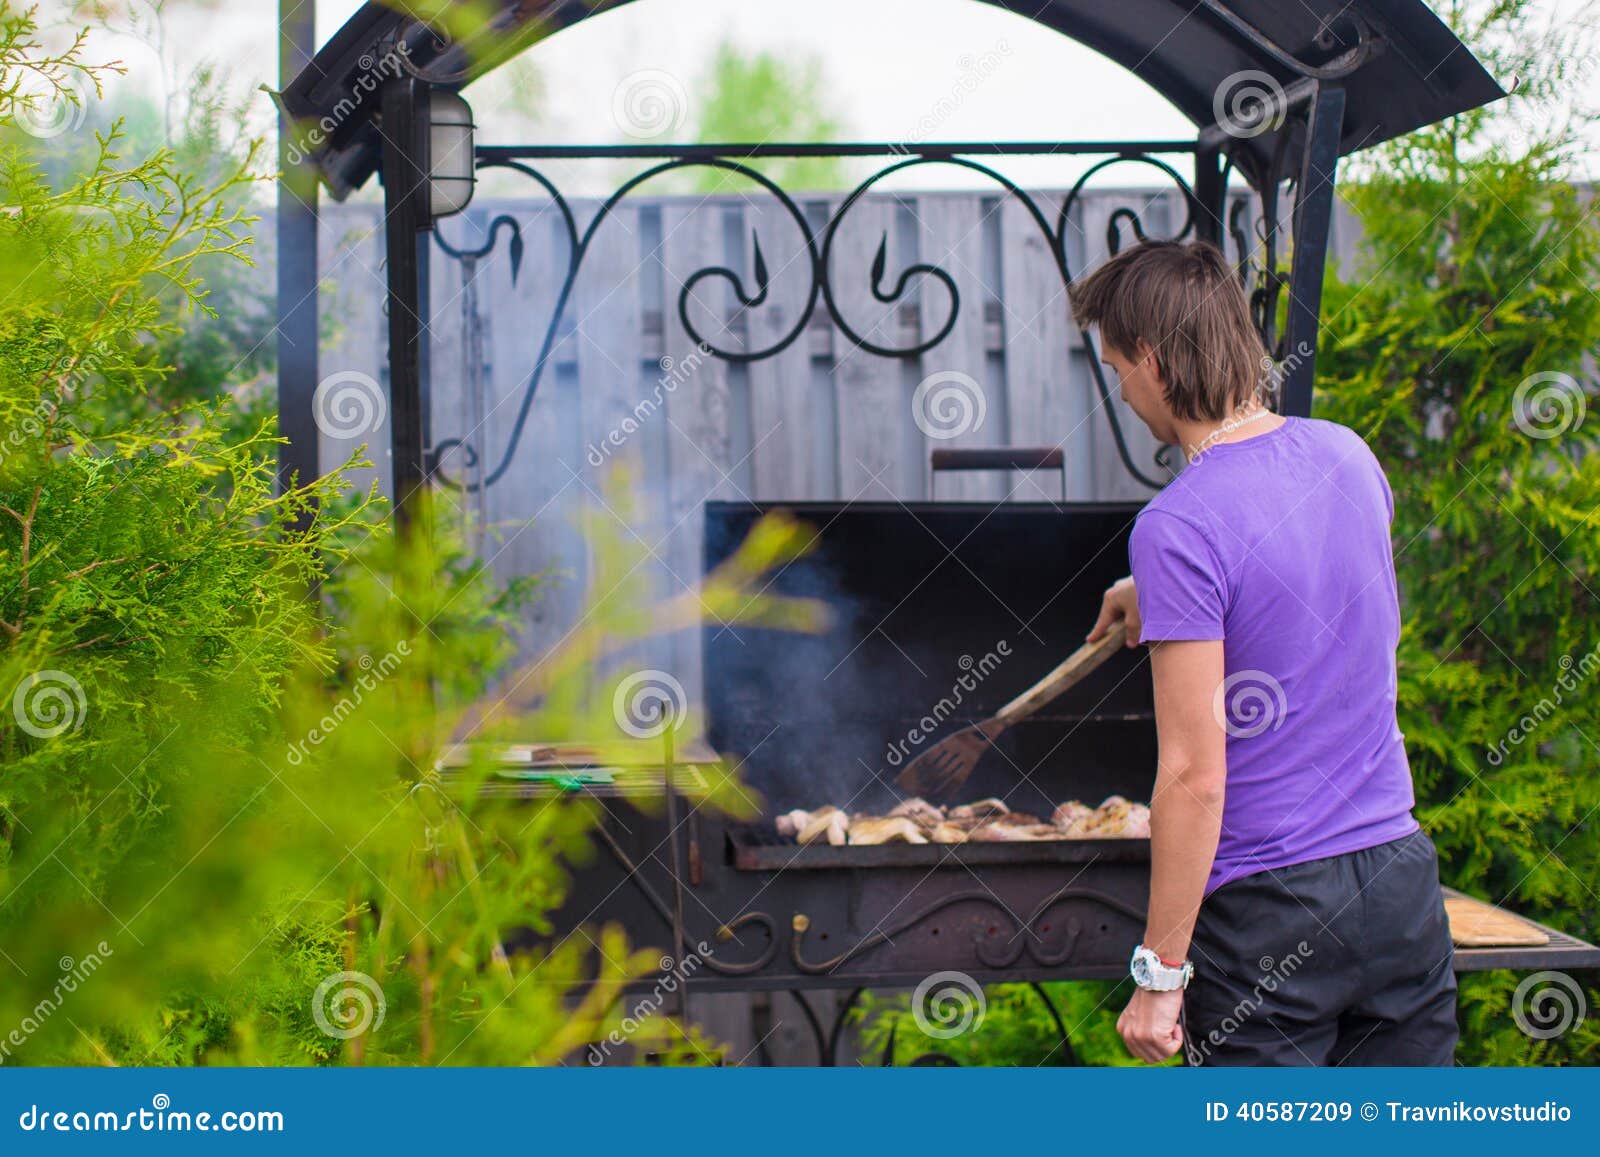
(923, 596)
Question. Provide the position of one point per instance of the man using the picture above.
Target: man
(1295, 912)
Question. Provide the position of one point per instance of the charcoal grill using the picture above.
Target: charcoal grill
(921, 593)
(923, 596)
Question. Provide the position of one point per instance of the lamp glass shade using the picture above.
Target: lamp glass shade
(451, 169)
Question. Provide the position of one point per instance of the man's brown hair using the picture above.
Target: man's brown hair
(1185, 300)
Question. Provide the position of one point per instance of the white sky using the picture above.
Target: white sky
(886, 63)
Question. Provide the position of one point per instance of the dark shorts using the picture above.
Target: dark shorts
(1342, 961)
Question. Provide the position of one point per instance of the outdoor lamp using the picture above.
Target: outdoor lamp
(450, 159)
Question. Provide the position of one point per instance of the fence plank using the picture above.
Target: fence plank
(522, 507)
(1038, 332)
(962, 405)
(870, 400)
(783, 461)
(697, 411)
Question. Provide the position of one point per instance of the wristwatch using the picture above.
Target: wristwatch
(1151, 972)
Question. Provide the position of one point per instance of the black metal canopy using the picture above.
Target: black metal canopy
(1278, 91)
(1399, 65)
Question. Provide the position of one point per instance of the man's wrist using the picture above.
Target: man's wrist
(1153, 973)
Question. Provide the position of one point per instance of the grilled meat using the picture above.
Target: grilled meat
(981, 809)
(1068, 813)
(916, 821)
(790, 823)
(1003, 831)
(920, 812)
(888, 830)
(1115, 819)
(828, 823)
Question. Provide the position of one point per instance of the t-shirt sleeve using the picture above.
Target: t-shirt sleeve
(1180, 582)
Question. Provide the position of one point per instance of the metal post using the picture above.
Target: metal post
(405, 219)
(1313, 213)
(1210, 196)
(297, 263)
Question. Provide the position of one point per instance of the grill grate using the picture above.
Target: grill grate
(757, 847)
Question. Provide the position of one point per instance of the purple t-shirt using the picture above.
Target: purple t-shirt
(1279, 546)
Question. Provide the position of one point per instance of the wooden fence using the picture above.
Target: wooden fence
(823, 419)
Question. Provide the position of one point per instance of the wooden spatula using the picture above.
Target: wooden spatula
(946, 765)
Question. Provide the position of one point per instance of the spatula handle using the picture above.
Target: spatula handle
(1073, 668)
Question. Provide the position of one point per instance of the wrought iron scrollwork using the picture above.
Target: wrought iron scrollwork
(1348, 55)
(993, 951)
(817, 258)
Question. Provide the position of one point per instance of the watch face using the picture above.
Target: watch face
(1141, 970)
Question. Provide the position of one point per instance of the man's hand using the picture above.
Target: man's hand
(1149, 1025)
(1120, 602)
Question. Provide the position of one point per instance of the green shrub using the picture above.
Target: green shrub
(1457, 348)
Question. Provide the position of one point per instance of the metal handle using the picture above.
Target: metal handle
(966, 458)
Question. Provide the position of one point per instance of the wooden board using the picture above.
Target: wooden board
(1474, 924)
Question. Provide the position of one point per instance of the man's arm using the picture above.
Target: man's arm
(1185, 823)
(1191, 773)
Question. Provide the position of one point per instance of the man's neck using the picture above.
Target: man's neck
(1241, 425)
